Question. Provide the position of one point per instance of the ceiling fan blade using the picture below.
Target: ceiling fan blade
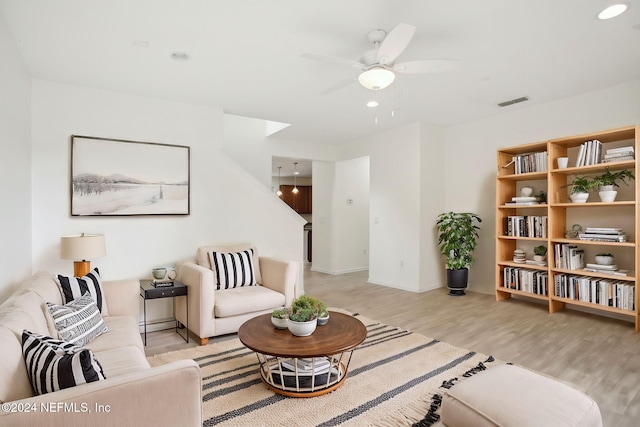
(426, 66)
(395, 43)
(332, 59)
(337, 86)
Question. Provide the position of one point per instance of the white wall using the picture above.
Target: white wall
(395, 219)
(227, 204)
(15, 173)
(322, 217)
(470, 154)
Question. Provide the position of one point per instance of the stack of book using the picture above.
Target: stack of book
(590, 153)
(568, 256)
(522, 201)
(619, 154)
(607, 269)
(526, 226)
(530, 162)
(604, 234)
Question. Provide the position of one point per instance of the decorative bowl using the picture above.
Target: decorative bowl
(604, 259)
(279, 323)
(323, 320)
(302, 329)
(608, 196)
(579, 197)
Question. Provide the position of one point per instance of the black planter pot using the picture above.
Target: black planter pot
(457, 281)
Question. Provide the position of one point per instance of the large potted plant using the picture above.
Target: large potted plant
(457, 239)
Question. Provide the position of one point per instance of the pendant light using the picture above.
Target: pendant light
(279, 192)
(295, 172)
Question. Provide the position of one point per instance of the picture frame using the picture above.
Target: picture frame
(118, 177)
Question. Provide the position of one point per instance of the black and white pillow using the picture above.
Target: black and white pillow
(78, 322)
(54, 364)
(233, 269)
(75, 287)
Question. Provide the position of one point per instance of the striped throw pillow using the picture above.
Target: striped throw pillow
(233, 269)
(78, 322)
(54, 364)
(75, 287)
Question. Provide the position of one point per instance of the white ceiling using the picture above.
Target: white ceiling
(246, 55)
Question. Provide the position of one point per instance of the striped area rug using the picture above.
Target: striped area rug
(392, 379)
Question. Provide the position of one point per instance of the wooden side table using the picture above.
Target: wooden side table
(148, 292)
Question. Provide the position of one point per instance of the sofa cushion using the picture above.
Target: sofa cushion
(75, 287)
(14, 382)
(123, 332)
(203, 256)
(122, 360)
(43, 284)
(508, 395)
(232, 302)
(55, 365)
(78, 322)
(233, 269)
(27, 312)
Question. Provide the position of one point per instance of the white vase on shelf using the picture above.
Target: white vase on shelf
(607, 196)
(579, 197)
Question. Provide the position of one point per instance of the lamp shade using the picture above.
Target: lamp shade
(82, 247)
(376, 78)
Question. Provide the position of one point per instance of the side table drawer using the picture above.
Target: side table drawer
(165, 292)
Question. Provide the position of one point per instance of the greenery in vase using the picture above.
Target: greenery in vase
(302, 314)
(612, 178)
(457, 238)
(541, 197)
(281, 313)
(306, 308)
(605, 254)
(581, 184)
(540, 250)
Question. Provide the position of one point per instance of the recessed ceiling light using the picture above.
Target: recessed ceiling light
(180, 56)
(372, 104)
(612, 11)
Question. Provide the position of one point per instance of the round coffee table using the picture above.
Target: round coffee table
(303, 366)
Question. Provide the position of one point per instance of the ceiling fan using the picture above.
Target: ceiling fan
(378, 65)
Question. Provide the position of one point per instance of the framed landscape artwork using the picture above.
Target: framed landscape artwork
(114, 177)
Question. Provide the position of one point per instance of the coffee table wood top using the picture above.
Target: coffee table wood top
(342, 333)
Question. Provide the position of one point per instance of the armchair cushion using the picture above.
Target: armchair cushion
(237, 301)
(233, 269)
(204, 261)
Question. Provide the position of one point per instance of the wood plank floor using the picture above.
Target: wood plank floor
(599, 355)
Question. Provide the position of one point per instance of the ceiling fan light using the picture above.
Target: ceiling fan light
(376, 78)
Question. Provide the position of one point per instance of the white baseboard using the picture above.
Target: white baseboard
(338, 272)
(157, 325)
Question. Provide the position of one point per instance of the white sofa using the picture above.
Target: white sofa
(218, 312)
(133, 393)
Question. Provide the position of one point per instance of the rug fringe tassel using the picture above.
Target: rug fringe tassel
(432, 416)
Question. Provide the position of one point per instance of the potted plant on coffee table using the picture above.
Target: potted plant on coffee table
(279, 318)
(457, 239)
(303, 316)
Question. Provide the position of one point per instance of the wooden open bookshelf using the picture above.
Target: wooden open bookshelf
(561, 214)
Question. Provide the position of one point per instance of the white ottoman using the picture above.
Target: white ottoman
(511, 396)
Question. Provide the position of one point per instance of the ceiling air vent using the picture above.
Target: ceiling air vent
(513, 101)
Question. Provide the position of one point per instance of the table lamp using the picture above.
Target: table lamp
(83, 247)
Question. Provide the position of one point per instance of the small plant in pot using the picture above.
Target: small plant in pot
(540, 253)
(608, 180)
(303, 316)
(580, 188)
(279, 318)
(604, 258)
(457, 239)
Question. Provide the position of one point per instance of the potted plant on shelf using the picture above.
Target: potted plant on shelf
(457, 239)
(539, 253)
(607, 180)
(580, 188)
(279, 318)
(604, 259)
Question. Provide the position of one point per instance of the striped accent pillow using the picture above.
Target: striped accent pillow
(53, 364)
(75, 287)
(233, 269)
(78, 322)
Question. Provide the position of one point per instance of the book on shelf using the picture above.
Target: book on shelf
(521, 203)
(316, 365)
(590, 153)
(620, 154)
(568, 256)
(530, 162)
(534, 262)
(628, 148)
(612, 272)
(618, 159)
(603, 237)
(604, 230)
(595, 290)
(602, 266)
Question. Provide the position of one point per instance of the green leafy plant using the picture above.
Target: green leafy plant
(581, 184)
(540, 250)
(306, 308)
(280, 313)
(458, 237)
(613, 178)
(541, 197)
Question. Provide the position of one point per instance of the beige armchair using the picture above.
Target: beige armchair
(213, 311)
